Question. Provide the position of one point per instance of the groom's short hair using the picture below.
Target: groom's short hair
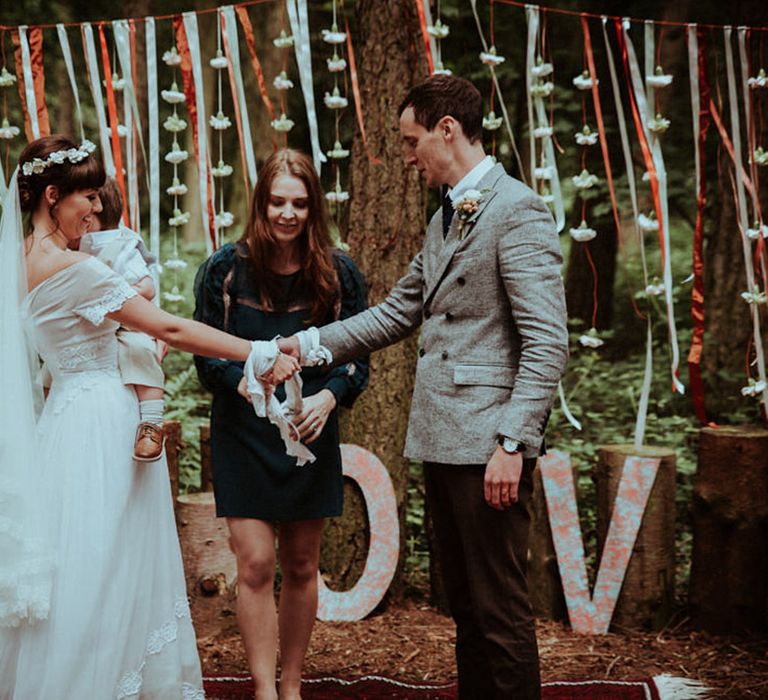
(442, 95)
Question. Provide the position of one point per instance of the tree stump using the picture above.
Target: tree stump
(173, 445)
(544, 584)
(206, 470)
(729, 569)
(647, 595)
(210, 567)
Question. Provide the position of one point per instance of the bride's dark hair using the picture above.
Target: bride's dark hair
(67, 177)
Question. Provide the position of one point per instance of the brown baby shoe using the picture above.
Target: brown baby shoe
(149, 442)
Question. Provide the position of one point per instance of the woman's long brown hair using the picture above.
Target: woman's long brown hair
(320, 282)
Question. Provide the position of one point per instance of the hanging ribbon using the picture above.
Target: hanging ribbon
(299, 19)
(67, 54)
(153, 165)
(655, 164)
(356, 94)
(250, 42)
(742, 212)
(31, 80)
(192, 75)
(645, 390)
(697, 65)
(94, 80)
(113, 121)
(425, 36)
(537, 104)
(505, 114)
(232, 51)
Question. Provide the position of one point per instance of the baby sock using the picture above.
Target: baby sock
(151, 411)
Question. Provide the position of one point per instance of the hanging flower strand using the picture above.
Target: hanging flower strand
(220, 123)
(7, 130)
(439, 31)
(282, 124)
(337, 102)
(174, 124)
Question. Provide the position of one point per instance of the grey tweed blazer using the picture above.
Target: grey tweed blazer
(494, 342)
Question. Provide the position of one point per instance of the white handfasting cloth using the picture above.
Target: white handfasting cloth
(261, 359)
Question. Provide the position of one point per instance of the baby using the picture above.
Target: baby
(123, 250)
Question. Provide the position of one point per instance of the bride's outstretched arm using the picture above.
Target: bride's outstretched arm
(192, 336)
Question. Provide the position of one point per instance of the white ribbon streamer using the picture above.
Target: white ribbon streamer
(299, 20)
(311, 353)
(190, 27)
(65, 51)
(505, 114)
(260, 360)
(92, 66)
(532, 15)
(661, 175)
(564, 408)
(742, 209)
(642, 409)
(153, 127)
(233, 53)
(29, 85)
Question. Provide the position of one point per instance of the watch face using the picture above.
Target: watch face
(511, 446)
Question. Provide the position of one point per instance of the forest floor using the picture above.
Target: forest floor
(415, 643)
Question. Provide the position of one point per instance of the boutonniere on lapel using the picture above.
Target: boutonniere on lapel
(467, 207)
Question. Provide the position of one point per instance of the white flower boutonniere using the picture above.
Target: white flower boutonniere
(467, 207)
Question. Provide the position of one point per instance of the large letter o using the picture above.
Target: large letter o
(373, 479)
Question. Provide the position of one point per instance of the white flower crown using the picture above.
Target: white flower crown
(73, 155)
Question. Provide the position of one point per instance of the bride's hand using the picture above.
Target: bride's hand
(284, 368)
(313, 418)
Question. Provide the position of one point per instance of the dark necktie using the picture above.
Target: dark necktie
(447, 213)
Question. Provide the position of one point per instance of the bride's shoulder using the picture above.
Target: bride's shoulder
(42, 267)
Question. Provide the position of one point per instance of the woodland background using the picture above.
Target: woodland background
(384, 223)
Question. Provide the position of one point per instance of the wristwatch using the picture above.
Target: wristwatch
(511, 446)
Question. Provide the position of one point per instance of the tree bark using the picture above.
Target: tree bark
(386, 225)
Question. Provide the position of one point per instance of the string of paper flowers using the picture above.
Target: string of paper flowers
(282, 83)
(7, 130)
(336, 102)
(175, 125)
(492, 58)
(439, 31)
(220, 123)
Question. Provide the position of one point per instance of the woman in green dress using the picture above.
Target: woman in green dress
(282, 276)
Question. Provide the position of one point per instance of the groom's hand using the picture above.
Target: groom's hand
(284, 368)
(290, 346)
(502, 478)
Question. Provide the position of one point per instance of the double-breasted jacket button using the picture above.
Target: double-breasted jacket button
(421, 352)
(461, 281)
(444, 354)
(448, 316)
(427, 313)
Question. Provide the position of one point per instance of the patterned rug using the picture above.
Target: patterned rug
(383, 688)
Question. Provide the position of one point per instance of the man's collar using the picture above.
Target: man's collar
(472, 178)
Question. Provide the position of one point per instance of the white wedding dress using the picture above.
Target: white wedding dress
(119, 624)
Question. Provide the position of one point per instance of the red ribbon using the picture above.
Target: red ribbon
(235, 101)
(250, 42)
(356, 94)
(182, 44)
(425, 35)
(112, 109)
(697, 293)
(35, 42)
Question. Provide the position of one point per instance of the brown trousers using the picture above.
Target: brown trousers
(483, 554)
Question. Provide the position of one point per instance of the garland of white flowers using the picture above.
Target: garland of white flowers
(437, 32)
(282, 83)
(175, 125)
(7, 130)
(220, 123)
(336, 102)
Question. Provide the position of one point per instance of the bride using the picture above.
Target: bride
(92, 596)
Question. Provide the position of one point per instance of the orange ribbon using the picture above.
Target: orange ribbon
(250, 42)
(425, 35)
(35, 41)
(182, 44)
(356, 94)
(112, 109)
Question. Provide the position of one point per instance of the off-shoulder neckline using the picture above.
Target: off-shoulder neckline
(56, 274)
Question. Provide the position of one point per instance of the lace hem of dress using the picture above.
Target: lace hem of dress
(131, 682)
(112, 301)
(25, 575)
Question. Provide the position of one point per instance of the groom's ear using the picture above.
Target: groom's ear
(448, 128)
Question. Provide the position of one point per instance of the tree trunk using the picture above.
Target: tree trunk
(729, 568)
(386, 225)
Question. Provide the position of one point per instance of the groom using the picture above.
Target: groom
(487, 293)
